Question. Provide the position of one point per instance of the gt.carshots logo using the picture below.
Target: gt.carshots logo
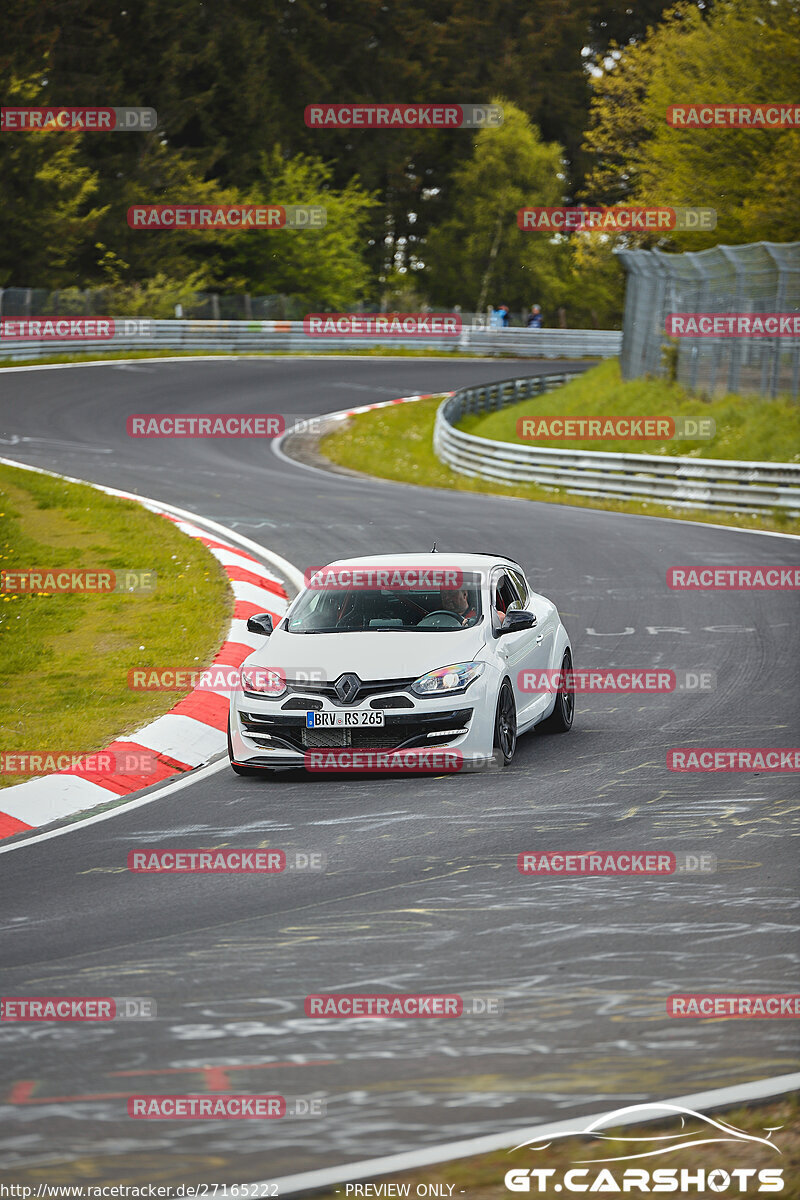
(695, 1130)
(403, 116)
(382, 325)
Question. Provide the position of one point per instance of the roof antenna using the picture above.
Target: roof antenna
(433, 548)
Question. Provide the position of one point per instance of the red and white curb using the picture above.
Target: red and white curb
(351, 412)
(342, 415)
(195, 729)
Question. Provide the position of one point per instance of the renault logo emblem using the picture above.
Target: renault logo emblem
(347, 688)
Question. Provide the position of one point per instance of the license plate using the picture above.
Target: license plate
(349, 720)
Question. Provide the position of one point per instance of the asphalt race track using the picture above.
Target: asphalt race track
(421, 892)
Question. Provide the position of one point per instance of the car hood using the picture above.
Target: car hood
(379, 655)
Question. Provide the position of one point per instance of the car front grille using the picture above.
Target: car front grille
(291, 732)
(367, 687)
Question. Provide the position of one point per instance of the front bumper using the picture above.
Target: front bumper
(272, 733)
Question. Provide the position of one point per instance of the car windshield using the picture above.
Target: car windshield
(350, 610)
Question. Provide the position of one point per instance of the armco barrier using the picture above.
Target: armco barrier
(710, 483)
(254, 337)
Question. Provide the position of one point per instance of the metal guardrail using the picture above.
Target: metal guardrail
(544, 343)
(681, 482)
(254, 337)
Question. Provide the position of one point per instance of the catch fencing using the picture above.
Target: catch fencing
(763, 277)
(722, 484)
(264, 337)
(99, 302)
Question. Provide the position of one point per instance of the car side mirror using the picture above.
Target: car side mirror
(260, 623)
(517, 619)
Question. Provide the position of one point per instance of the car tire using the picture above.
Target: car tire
(235, 766)
(562, 716)
(505, 725)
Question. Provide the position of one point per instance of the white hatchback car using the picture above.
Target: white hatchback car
(398, 652)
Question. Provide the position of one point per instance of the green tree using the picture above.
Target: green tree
(478, 253)
(323, 267)
(49, 200)
(592, 288)
(744, 51)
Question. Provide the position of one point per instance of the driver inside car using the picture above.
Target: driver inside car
(457, 601)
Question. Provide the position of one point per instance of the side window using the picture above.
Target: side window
(504, 595)
(518, 583)
(498, 605)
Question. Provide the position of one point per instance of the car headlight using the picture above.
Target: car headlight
(263, 681)
(447, 679)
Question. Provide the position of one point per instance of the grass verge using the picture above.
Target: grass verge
(747, 427)
(65, 657)
(481, 1177)
(397, 443)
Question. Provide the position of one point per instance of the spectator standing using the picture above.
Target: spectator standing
(535, 319)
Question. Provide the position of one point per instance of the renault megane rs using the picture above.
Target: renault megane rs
(401, 652)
